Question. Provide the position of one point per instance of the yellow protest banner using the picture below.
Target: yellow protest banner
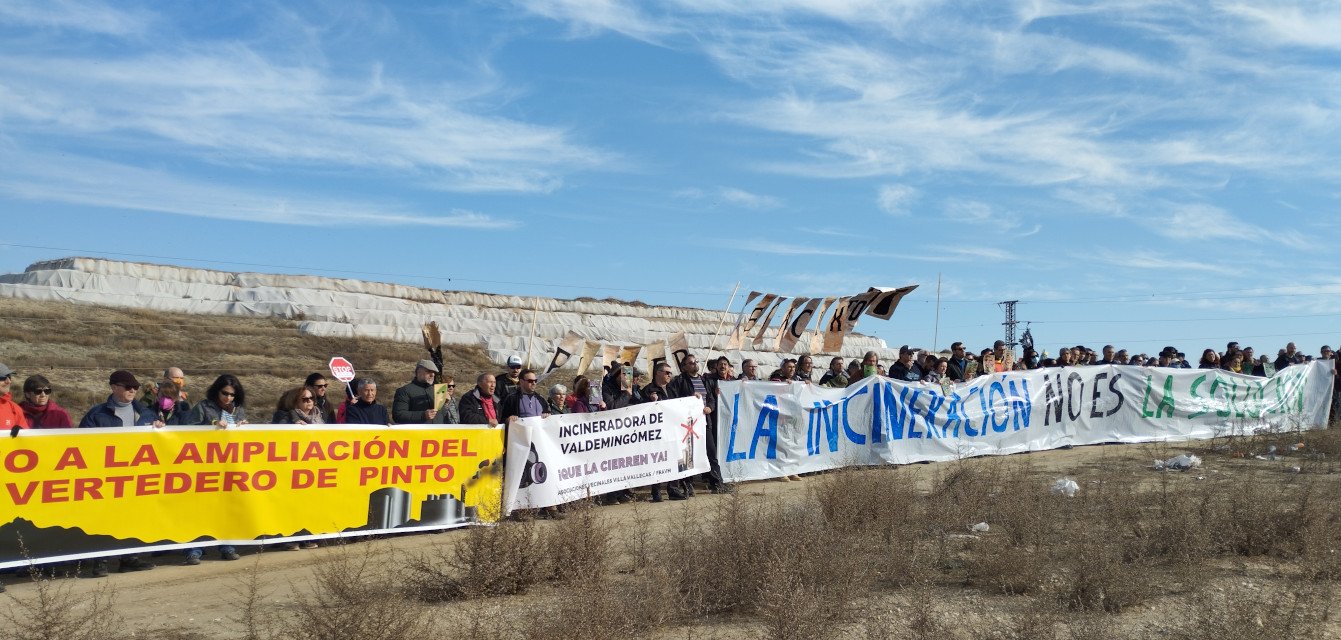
(84, 492)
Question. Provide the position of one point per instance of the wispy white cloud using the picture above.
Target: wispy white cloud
(1151, 260)
(749, 200)
(894, 198)
(229, 102)
(1310, 24)
(1208, 222)
(91, 17)
(88, 182)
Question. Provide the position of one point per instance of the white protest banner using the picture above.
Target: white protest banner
(785, 324)
(752, 320)
(768, 318)
(656, 353)
(884, 304)
(679, 348)
(567, 347)
(737, 339)
(588, 354)
(629, 354)
(572, 456)
(834, 331)
(774, 429)
(792, 331)
(817, 340)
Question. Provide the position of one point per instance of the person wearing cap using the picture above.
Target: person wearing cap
(121, 408)
(11, 414)
(39, 408)
(904, 369)
(508, 381)
(413, 403)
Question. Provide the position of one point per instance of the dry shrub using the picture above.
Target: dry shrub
(53, 612)
(962, 493)
(1262, 612)
(1005, 569)
(499, 560)
(599, 610)
(1177, 527)
(354, 596)
(577, 548)
(918, 619)
(1260, 518)
(877, 502)
(747, 556)
(1095, 577)
(1029, 623)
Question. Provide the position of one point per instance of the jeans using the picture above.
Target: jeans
(197, 552)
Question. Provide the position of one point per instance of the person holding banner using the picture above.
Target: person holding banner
(167, 404)
(122, 409)
(656, 391)
(524, 402)
(366, 410)
(224, 406)
(480, 405)
(413, 403)
(690, 383)
(11, 414)
(749, 370)
(297, 406)
(836, 376)
(39, 409)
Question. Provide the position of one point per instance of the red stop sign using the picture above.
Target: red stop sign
(342, 369)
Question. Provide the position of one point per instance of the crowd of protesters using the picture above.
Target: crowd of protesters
(499, 399)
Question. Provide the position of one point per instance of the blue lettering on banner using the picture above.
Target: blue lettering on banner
(855, 437)
(766, 427)
(823, 421)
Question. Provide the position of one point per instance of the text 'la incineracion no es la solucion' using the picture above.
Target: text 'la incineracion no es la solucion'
(143, 457)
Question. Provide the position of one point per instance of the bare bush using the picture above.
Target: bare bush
(354, 596)
(577, 548)
(1259, 612)
(52, 611)
(505, 559)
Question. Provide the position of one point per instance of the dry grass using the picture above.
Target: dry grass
(77, 346)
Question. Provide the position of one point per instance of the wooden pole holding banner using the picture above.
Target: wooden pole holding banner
(936, 335)
(725, 312)
(535, 318)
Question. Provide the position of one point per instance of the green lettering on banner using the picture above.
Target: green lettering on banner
(1167, 400)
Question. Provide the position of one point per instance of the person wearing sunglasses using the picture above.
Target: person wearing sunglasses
(40, 410)
(413, 403)
(11, 414)
(449, 413)
(122, 409)
(525, 402)
(318, 385)
(224, 406)
(298, 406)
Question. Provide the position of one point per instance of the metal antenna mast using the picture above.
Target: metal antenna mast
(1010, 323)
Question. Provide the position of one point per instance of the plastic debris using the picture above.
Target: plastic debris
(1178, 463)
(981, 527)
(1066, 487)
(1296, 470)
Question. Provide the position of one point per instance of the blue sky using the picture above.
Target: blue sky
(1136, 172)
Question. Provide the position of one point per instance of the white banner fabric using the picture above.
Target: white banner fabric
(774, 429)
(568, 457)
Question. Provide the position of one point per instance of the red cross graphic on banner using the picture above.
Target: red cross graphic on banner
(689, 430)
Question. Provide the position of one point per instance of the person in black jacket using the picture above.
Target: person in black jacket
(480, 405)
(168, 406)
(524, 402)
(366, 410)
(690, 383)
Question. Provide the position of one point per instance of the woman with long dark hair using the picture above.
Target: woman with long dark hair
(224, 404)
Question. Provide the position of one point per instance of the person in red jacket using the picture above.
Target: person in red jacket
(41, 411)
(11, 415)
